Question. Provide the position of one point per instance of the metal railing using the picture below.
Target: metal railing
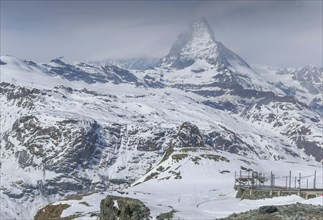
(259, 180)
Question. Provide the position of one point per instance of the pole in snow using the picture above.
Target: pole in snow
(271, 179)
(235, 177)
(314, 184)
(295, 181)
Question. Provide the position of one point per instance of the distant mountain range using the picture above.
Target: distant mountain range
(78, 128)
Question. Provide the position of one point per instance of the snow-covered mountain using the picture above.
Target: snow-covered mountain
(78, 128)
(198, 43)
(304, 83)
(141, 63)
(87, 73)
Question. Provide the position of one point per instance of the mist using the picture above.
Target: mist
(275, 33)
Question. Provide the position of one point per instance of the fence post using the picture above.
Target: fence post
(286, 181)
(299, 181)
(290, 179)
(240, 179)
(271, 179)
(314, 184)
(295, 182)
(235, 178)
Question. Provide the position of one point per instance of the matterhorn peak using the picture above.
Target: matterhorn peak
(198, 43)
(201, 28)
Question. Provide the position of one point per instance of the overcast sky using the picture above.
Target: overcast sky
(275, 33)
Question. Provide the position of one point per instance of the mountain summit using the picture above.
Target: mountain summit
(198, 43)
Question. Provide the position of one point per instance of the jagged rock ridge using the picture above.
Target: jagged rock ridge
(198, 43)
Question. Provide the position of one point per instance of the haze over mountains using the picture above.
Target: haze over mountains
(86, 127)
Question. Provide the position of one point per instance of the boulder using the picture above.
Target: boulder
(123, 208)
(268, 209)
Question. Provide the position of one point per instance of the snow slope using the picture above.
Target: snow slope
(46, 121)
(197, 186)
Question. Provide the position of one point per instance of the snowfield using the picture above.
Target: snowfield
(202, 192)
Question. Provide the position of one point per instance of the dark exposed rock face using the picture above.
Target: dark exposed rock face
(316, 105)
(22, 97)
(80, 143)
(2, 63)
(310, 148)
(310, 77)
(285, 115)
(267, 209)
(64, 147)
(189, 136)
(123, 208)
(96, 74)
(228, 141)
(152, 82)
(154, 142)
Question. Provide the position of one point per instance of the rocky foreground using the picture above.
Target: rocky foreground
(285, 212)
(125, 208)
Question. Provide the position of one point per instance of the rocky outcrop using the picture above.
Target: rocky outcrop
(310, 77)
(61, 147)
(284, 114)
(229, 141)
(294, 211)
(51, 212)
(188, 136)
(2, 63)
(166, 215)
(123, 208)
(20, 96)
